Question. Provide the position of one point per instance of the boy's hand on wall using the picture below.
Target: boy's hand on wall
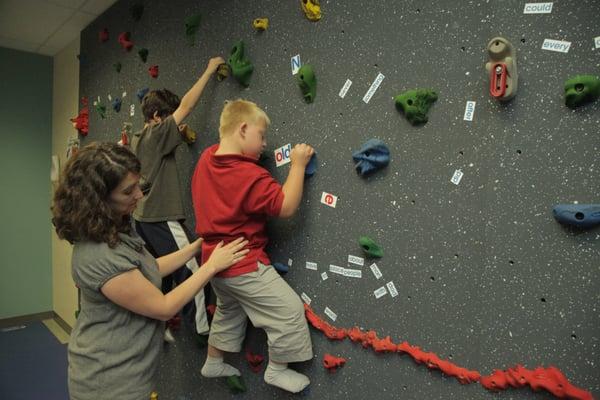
(213, 64)
(301, 154)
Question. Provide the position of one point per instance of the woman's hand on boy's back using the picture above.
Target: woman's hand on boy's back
(301, 154)
(226, 255)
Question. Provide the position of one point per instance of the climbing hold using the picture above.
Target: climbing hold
(103, 35)
(261, 24)
(371, 157)
(236, 384)
(308, 82)
(192, 24)
(578, 215)
(125, 40)
(153, 396)
(311, 167)
(331, 363)
(126, 131)
(312, 9)
(116, 104)
(254, 361)
(100, 108)
(141, 93)
(143, 53)
(153, 71)
(370, 248)
(174, 323)
(281, 268)
(415, 104)
(502, 69)
(117, 66)
(241, 67)
(581, 89)
(81, 121)
(222, 72)
(189, 136)
(136, 11)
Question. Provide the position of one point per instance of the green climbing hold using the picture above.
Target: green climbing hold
(415, 104)
(192, 24)
(236, 384)
(581, 89)
(308, 82)
(143, 53)
(136, 10)
(370, 248)
(101, 109)
(241, 67)
(117, 66)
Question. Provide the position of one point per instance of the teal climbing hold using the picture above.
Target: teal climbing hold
(369, 247)
(143, 53)
(416, 104)
(192, 24)
(117, 66)
(241, 67)
(236, 384)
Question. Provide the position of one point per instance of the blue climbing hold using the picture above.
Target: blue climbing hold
(116, 104)
(578, 215)
(311, 167)
(281, 268)
(371, 157)
(141, 93)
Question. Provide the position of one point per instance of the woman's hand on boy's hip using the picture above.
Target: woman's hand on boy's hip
(301, 154)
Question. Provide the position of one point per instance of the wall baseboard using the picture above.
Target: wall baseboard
(24, 319)
(62, 323)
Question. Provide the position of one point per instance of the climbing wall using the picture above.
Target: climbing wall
(485, 277)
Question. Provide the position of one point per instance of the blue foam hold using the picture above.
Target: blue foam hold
(141, 93)
(371, 157)
(281, 267)
(578, 215)
(311, 167)
(116, 104)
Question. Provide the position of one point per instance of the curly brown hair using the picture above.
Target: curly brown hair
(81, 209)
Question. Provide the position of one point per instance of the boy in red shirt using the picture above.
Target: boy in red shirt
(233, 196)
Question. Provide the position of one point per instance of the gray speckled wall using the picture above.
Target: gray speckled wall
(485, 275)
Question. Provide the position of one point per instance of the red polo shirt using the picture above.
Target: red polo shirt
(233, 196)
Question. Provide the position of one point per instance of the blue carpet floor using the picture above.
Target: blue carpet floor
(33, 364)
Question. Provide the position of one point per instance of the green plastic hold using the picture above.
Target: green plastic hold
(308, 82)
(415, 104)
(236, 384)
(192, 24)
(117, 66)
(241, 67)
(101, 109)
(143, 53)
(370, 248)
(581, 89)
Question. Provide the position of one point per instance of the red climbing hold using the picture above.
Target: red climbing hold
(175, 322)
(332, 363)
(103, 35)
(124, 41)
(153, 71)
(211, 308)
(550, 379)
(254, 360)
(81, 121)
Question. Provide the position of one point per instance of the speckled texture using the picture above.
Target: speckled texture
(485, 274)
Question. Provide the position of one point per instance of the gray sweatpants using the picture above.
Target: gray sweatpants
(271, 304)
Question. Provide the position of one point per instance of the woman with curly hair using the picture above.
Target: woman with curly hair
(117, 338)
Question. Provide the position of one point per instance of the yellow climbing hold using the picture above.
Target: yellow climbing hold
(261, 24)
(312, 9)
(153, 396)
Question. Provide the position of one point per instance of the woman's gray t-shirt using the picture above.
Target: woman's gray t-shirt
(113, 352)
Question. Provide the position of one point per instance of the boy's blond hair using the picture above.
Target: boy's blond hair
(236, 112)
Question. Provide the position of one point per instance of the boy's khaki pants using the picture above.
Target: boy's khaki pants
(271, 304)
